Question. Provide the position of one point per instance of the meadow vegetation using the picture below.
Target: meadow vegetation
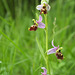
(19, 49)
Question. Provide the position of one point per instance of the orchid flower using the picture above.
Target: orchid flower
(45, 71)
(52, 50)
(56, 50)
(44, 7)
(37, 24)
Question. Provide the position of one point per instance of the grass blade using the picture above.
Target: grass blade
(40, 48)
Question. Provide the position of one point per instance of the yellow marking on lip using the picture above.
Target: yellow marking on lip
(61, 54)
(59, 49)
(42, 12)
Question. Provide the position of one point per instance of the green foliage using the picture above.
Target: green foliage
(19, 49)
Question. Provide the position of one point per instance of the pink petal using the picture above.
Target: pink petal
(52, 44)
(39, 7)
(45, 70)
(41, 25)
(52, 50)
(44, 74)
(40, 18)
(48, 7)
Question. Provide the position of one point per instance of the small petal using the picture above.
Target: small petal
(39, 7)
(51, 51)
(52, 43)
(41, 25)
(42, 67)
(48, 7)
(40, 18)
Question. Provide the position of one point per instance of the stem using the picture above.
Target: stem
(46, 29)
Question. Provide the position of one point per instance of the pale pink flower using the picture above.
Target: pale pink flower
(45, 71)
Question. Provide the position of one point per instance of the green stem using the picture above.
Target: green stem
(46, 29)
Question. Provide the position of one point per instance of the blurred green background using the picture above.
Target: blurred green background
(19, 52)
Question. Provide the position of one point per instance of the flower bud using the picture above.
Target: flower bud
(47, 1)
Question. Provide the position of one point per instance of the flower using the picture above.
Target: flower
(44, 7)
(45, 71)
(56, 50)
(37, 24)
(52, 50)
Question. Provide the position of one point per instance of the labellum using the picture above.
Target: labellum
(59, 55)
(43, 10)
(33, 28)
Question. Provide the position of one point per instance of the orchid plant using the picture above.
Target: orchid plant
(44, 8)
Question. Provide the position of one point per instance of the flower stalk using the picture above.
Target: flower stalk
(46, 30)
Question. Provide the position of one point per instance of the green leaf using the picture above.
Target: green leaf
(40, 48)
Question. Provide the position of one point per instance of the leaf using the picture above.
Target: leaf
(41, 50)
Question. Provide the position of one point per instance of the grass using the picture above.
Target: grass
(19, 49)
